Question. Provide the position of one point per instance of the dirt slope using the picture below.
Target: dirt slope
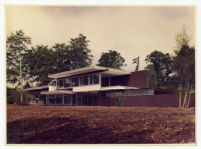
(98, 125)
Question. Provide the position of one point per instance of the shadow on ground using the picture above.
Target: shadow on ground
(69, 131)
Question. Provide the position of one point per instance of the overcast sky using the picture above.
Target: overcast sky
(131, 30)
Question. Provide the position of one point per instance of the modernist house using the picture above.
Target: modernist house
(93, 85)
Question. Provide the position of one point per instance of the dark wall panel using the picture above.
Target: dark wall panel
(162, 100)
(139, 79)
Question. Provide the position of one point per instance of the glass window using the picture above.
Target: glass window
(61, 83)
(75, 81)
(84, 80)
(58, 99)
(51, 99)
(73, 96)
(95, 78)
(67, 99)
(68, 82)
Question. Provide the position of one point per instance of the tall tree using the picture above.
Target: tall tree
(153, 82)
(162, 64)
(184, 65)
(62, 57)
(182, 38)
(111, 59)
(79, 53)
(40, 62)
(16, 46)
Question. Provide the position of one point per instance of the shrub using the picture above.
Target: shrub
(117, 98)
(13, 95)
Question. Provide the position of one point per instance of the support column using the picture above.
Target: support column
(109, 79)
(100, 79)
(63, 99)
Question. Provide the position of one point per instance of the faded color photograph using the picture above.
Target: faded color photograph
(100, 74)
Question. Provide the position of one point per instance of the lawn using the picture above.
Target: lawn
(99, 125)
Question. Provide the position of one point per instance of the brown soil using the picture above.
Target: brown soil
(99, 125)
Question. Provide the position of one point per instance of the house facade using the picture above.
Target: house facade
(94, 85)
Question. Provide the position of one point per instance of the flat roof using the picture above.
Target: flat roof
(37, 88)
(105, 70)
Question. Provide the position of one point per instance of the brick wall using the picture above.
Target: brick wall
(139, 79)
(160, 100)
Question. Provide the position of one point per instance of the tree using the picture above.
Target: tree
(184, 66)
(162, 64)
(16, 45)
(40, 62)
(79, 53)
(117, 98)
(62, 57)
(14, 95)
(182, 38)
(152, 76)
(111, 59)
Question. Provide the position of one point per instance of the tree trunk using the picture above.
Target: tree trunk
(189, 96)
(185, 99)
(21, 83)
(186, 94)
(180, 92)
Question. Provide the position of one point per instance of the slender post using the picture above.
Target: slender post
(21, 82)
(100, 79)
(109, 81)
(46, 99)
(63, 99)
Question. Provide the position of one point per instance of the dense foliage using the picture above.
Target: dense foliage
(111, 59)
(16, 47)
(13, 96)
(162, 64)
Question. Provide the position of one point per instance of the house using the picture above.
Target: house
(93, 85)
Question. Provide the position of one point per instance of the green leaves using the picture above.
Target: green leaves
(16, 46)
(111, 59)
(42, 60)
(162, 64)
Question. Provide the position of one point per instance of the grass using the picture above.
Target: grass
(99, 125)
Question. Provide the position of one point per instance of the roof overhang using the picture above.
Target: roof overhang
(90, 69)
(77, 72)
(37, 88)
(57, 92)
(115, 72)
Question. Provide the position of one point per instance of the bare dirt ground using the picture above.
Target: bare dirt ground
(99, 125)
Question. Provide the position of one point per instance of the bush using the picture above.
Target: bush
(13, 95)
(117, 98)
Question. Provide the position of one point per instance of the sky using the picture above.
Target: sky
(130, 30)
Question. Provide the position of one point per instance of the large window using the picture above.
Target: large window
(75, 81)
(79, 80)
(59, 99)
(84, 80)
(51, 99)
(68, 99)
(94, 79)
(67, 82)
(61, 83)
